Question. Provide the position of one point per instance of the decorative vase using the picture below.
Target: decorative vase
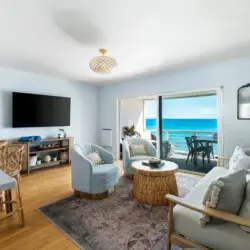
(38, 162)
(54, 158)
(47, 159)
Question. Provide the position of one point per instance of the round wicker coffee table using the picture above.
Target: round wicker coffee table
(150, 185)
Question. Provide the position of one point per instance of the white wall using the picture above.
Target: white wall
(131, 112)
(84, 104)
(230, 74)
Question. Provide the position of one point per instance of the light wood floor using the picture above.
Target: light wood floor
(40, 188)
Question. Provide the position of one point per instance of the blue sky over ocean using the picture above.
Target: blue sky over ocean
(203, 107)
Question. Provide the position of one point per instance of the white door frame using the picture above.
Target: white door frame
(220, 102)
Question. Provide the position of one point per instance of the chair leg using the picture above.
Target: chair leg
(187, 158)
(19, 200)
(170, 224)
(195, 158)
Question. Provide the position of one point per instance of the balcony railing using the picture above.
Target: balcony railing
(177, 137)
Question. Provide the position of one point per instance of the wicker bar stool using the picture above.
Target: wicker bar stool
(11, 156)
(3, 151)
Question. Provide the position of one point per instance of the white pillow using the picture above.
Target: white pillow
(239, 160)
(138, 150)
(95, 158)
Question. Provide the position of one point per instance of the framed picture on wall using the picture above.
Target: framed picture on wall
(244, 102)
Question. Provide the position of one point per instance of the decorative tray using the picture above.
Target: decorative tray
(159, 165)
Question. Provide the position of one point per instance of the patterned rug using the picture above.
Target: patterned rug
(117, 222)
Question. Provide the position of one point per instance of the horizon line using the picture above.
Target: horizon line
(202, 118)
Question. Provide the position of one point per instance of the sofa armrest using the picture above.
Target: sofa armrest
(209, 211)
(222, 158)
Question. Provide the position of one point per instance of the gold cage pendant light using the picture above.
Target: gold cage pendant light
(102, 64)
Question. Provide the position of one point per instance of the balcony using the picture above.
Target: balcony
(180, 150)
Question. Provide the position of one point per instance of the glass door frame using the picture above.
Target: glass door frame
(219, 92)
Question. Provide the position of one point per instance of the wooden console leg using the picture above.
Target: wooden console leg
(170, 224)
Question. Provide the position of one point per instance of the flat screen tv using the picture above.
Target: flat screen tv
(31, 110)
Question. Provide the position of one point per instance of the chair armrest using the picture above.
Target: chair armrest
(106, 155)
(209, 211)
(125, 150)
(151, 149)
(221, 158)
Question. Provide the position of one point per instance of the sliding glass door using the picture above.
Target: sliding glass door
(188, 130)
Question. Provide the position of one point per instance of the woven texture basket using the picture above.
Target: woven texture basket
(11, 156)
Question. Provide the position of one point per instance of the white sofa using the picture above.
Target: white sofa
(184, 227)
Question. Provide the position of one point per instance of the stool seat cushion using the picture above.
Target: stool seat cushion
(6, 182)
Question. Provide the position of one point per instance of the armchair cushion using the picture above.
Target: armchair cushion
(95, 158)
(104, 177)
(138, 150)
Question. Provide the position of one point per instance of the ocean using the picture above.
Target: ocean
(178, 138)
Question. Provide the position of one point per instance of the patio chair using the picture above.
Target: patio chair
(200, 149)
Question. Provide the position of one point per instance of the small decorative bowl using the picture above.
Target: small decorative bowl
(154, 161)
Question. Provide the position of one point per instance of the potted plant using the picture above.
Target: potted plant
(130, 131)
(61, 130)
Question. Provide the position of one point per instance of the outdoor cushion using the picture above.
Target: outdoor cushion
(213, 236)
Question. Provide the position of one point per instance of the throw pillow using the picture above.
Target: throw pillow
(225, 194)
(136, 150)
(95, 158)
(245, 208)
(239, 160)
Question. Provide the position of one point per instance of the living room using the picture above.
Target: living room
(51, 48)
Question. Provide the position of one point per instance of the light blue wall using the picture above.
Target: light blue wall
(230, 74)
(84, 104)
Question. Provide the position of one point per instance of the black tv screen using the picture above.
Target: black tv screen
(31, 110)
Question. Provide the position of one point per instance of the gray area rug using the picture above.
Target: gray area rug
(117, 222)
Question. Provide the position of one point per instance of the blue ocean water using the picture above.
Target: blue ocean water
(178, 138)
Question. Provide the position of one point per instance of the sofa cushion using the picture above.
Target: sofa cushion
(213, 236)
(245, 208)
(239, 160)
(226, 193)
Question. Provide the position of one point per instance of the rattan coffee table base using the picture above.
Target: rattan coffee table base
(151, 190)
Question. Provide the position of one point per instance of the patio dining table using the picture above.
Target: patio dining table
(207, 139)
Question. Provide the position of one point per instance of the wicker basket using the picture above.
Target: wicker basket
(64, 157)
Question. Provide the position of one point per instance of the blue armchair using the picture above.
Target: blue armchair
(93, 181)
(127, 159)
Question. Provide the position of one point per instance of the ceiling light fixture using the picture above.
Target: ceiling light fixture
(102, 64)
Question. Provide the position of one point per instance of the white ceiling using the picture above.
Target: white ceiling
(60, 37)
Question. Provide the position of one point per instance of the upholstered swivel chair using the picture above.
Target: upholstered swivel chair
(89, 180)
(128, 159)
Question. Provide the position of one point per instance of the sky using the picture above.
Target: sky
(186, 108)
